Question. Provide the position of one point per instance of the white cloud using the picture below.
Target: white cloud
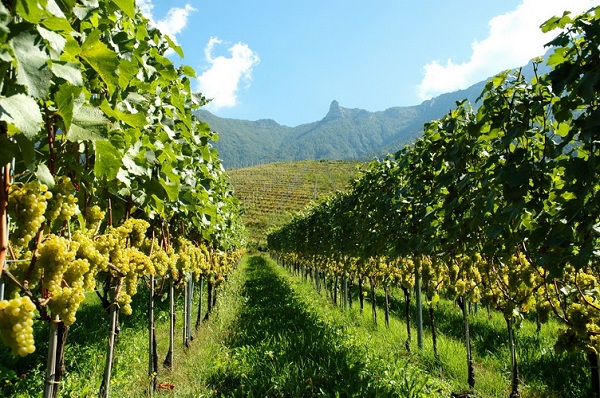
(173, 23)
(513, 39)
(221, 81)
(146, 7)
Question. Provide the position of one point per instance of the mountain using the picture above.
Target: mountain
(342, 134)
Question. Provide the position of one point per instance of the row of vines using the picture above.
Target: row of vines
(498, 205)
(108, 179)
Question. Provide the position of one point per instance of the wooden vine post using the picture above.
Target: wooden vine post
(4, 185)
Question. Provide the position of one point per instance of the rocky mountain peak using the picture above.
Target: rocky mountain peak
(335, 111)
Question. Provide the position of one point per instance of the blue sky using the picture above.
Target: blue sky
(287, 60)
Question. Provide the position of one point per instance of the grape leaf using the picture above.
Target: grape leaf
(8, 149)
(132, 119)
(31, 11)
(102, 59)
(32, 68)
(69, 71)
(127, 6)
(171, 188)
(108, 160)
(65, 100)
(44, 175)
(88, 123)
(55, 40)
(23, 112)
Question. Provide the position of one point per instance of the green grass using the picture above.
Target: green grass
(543, 372)
(285, 346)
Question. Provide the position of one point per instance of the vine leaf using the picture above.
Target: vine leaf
(171, 188)
(102, 59)
(88, 123)
(132, 119)
(22, 112)
(108, 162)
(56, 41)
(8, 149)
(127, 6)
(32, 67)
(31, 11)
(68, 71)
(44, 175)
(174, 46)
(64, 99)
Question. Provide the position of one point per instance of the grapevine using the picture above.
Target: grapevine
(103, 140)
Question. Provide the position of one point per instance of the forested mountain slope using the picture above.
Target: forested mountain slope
(343, 133)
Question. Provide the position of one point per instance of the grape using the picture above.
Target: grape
(63, 204)
(184, 264)
(129, 262)
(16, 325)
(93, 217)
(88, 250)
(164, 261)
(132, 229)
(138, 265)
(26, 206)
(54, 256)
(64, 275)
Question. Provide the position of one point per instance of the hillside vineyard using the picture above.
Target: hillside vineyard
(497, 206)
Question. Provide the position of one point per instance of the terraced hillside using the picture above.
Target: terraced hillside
(271, 193)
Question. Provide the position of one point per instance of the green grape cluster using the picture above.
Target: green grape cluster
(201, 261)
(465, 273)
(192, 258)
(64, 275)
(543, 307)
(220, 267)
(121, 247)
(163, 260)
(432, 278)
(579, 299)
(87, 249)
(27, 204)
(183, 264)
(138, 265)
(66, 299)
(54, 256)
(132, 230)
(19, 269)
(93, 218)
(406, 275)
(16, 325)
(63, 204)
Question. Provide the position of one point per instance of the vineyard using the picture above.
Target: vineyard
(108, 185)
(122, 266)
(270, 194)
(496, 208)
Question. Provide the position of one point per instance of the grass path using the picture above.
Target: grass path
(282, 348)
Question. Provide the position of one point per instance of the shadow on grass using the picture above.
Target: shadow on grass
(565, 375)
(282, 350)
(86, 342)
